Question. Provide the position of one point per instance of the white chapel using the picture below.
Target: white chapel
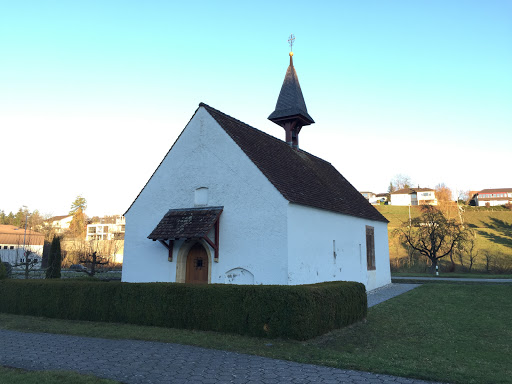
(230, 204)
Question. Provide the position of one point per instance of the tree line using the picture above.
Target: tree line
(18, 218)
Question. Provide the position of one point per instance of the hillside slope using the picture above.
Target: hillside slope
(493, 231)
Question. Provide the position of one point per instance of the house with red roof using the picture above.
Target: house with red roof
(17, 243)
(493, 197)
(232, 204)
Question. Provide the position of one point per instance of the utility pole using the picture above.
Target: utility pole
(25, 234)
(25, 254)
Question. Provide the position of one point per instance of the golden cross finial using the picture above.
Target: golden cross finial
(290, 41)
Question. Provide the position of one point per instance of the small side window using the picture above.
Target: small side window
(370, 248)
(201, 196)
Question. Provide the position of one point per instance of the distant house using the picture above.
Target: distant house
(493, 197)
(370, 196)
(14, 241)
(414, 196)
(107, 231)
(375, 198)
(60, 223)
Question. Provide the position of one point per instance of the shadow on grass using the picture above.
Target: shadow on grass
(504, 229)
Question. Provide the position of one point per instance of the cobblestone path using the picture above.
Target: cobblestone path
(134, 362)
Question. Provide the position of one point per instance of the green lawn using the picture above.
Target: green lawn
(444, 332)
(455, 275)
(18, 376)
(67, 274)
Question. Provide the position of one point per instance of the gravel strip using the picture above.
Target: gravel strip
(387, 292)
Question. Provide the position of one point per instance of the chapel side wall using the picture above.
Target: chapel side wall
(252, 226)
(311, 233)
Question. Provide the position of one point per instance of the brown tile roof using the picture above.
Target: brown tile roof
(403, 191)
(299, 176)
(11, 234)
(495, 190)
(186, 223)
(57, 218)
(408, 191)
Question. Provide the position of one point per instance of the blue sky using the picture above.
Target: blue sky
(94, 93)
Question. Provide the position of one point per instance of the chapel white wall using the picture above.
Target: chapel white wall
(253, 225)
(311, 233)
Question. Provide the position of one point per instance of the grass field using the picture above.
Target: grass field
(66, 274)
(493, 230)
(452, 333)
(454, 275)
(18, 376)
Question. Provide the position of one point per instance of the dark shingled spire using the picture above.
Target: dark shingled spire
(291, 112)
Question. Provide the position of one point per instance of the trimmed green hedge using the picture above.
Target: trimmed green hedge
(296, 312)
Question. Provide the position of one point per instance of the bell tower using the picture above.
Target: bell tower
(291, 112)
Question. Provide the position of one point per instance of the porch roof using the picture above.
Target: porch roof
(186, 223)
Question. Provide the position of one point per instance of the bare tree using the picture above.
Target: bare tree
(464, 197)
(443, 193)
(91, 259)
(432, 234)
(471, 252)
(94, 254)
(25, 258)
(488, 260)
(400, 181)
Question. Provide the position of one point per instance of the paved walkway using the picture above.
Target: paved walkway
(458, 279)
(387, 292)
(134, 362)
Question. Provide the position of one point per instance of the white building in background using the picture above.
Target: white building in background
(493, 197)
(375, 198)
(108, 238)
(110, 231)
(414, 196)
(370, 196)
(14, 242)
(232, 204)
(60, 223)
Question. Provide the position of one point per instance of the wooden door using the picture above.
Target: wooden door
(197, 265)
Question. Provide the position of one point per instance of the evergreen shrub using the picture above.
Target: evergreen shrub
(3, 271)
(54, 260)
(296, 312)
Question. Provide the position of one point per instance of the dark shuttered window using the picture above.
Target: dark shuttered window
(370, 248)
